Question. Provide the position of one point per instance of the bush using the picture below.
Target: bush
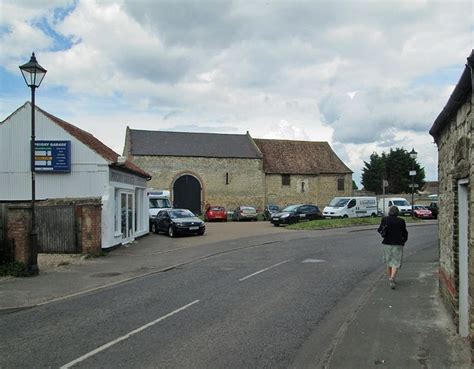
(14, 269)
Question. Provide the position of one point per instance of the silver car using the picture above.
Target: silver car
(244, 213)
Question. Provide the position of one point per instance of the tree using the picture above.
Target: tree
(354, 185)
(394, 167)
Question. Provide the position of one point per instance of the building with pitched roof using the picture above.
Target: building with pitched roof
(72, 165)
(453, 132)
(234, 169)
(303, 172)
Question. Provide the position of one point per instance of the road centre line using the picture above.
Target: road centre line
(263, 270)
(128, 335)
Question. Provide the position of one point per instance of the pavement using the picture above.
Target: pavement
(403, 328)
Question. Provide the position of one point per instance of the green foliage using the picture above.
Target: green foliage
(393, 167)
(354, 185)
(91, 253)
(14, 269)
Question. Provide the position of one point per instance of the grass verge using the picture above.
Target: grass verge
(341, 223)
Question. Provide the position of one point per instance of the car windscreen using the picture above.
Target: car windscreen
(247, 209)
(216, 208)
(338, 202)
(290, 209)
(401, 203)
(181, 214)
(159, 203)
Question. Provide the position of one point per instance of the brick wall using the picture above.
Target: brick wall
(19, 227)
(88, 230)
(455, 162)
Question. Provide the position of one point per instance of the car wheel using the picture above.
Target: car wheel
(346, 216)
(200, 233)
(171, 231)
(154, 228)
(276, 224)
(373, 215)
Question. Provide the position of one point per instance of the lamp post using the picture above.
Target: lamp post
(413, 155)
(33, 73)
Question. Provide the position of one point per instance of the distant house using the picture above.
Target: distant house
(83, 171)
(453, 133)
(430, 188)
(303, 172)
(235, 169)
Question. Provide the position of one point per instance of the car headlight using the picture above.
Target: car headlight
(179, 225)
(286, 215)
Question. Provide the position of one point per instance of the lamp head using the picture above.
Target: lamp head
(33, 73)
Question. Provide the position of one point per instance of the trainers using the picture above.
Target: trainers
(392, 283)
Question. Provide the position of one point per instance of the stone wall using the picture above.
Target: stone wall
(314, 189)
(225, 181)
(455, 162)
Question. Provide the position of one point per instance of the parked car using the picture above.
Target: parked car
(215, 213)
(434, 209)
(177, 221)
(269, 211)
(295, 213)
(244, 213)
(422, 212)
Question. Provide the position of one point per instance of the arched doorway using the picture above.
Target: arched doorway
(187, 193)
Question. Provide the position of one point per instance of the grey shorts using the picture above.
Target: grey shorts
(393, 255)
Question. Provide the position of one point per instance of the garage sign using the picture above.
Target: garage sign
(53, 156)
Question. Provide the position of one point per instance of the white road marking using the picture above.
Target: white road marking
(313, 261)
(128, 335)
(263, 270)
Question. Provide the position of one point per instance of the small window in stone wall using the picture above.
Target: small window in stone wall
(285, 180)
(340, 184)
(227, 180)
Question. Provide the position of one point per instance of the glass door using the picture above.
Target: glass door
(127, 216)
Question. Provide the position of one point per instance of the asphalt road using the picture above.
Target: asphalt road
(273, 305)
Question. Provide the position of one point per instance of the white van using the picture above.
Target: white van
(401, 203)
(351, 207)
(157, 200)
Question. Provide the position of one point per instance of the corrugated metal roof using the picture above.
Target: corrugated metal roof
(300, 157)
(163, 143)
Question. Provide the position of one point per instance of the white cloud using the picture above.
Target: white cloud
(361, 75)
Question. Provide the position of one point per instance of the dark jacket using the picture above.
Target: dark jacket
(396, 232)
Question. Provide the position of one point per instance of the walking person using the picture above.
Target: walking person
(394, 232)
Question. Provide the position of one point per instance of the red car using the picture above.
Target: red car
(215, 213)
(422, 212)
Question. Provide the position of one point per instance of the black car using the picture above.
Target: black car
(294, 213)
(269, 211)
(177, 221)
(434, 209)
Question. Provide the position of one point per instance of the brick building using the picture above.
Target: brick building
(233, 170)
(453, 134)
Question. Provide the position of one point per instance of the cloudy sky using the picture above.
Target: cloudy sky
(363, 75)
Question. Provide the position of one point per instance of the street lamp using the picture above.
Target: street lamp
(33, 73)
(413, 155)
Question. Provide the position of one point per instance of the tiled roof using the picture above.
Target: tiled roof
(300, 157)
(94, 144)
(458, 97)
(162, 143)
